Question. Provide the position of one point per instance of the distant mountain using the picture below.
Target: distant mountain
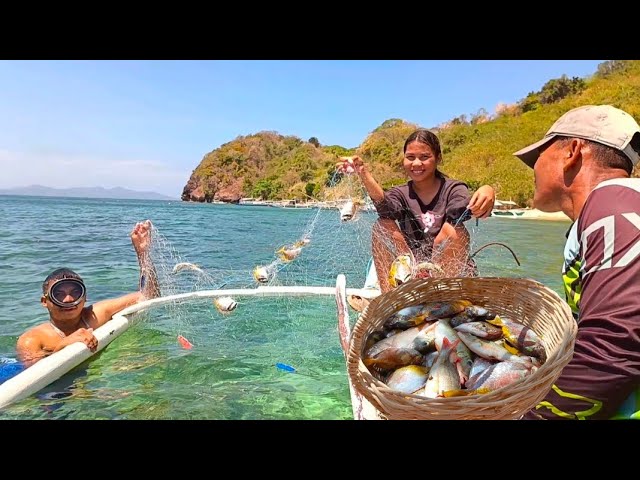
(85, 192)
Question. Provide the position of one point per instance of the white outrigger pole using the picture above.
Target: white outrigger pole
(51, 368)
(362, 408)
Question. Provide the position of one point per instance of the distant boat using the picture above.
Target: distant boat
(530, 214)
(514, 212)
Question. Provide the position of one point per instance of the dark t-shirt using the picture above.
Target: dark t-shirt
(420, 223)
(603, 376)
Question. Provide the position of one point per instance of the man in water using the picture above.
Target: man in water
(70, 321)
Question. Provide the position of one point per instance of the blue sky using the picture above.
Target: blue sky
(145, 125)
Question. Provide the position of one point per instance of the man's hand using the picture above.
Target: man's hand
(84, 335)
(482, 201)
(141, 237)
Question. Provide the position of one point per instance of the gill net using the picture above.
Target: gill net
(257, 357)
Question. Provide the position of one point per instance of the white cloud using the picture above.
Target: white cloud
(19, 169)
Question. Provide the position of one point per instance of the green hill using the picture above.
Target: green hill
(477, 150)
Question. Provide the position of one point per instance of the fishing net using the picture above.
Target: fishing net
(252, 356)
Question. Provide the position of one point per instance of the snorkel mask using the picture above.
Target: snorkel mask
(66, 292)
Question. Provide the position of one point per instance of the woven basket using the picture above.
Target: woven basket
(521, 300)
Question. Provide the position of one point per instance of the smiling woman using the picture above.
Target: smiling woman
(423, 217)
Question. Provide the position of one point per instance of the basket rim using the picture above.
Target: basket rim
(366, 383)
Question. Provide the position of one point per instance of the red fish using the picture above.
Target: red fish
(184, 342)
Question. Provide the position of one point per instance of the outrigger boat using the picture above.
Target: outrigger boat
(38, 376)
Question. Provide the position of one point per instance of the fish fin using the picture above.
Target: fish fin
(464, 393)
(509, 348)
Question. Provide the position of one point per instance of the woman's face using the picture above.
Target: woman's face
(419, 161)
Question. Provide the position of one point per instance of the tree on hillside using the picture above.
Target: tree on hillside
(612, 66)
(558, 88)
(314, 141)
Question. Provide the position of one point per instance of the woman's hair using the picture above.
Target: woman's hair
(427, 137)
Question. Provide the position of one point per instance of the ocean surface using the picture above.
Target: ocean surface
(231, 372)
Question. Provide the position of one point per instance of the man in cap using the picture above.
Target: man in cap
(70, 321)
(582, 166)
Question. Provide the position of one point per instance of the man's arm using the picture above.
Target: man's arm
(101, 312)
(605, 368)
(141, 240)
(32, 345)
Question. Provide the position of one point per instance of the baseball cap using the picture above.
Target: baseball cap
(599, 123)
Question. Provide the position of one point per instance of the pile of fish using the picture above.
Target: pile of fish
(446, 349)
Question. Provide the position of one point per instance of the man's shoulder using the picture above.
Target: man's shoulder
(600, 201)
(37, 331)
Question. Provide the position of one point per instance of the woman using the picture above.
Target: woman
(425, 216)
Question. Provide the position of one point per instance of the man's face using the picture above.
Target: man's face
(549, 177)
(68, 299)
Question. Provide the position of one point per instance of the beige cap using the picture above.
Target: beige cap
(599, 123)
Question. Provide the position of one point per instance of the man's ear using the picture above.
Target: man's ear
(43, 301)
(573, 154)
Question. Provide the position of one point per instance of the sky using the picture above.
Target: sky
(146, 125)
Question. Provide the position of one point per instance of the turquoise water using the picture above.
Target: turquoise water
(230, 373)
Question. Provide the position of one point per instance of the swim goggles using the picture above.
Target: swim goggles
(67, 292)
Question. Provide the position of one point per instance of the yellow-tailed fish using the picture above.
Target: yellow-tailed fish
(400, 271)
(444, 331)
(443, 375)
(302, 243)
(478, 312)
(490, 350)
(417, 338)
(481, 329)
(348, 211)
(407, 317)
(499, 375)
(225, 304)
(261, 274)
(461, 318)
(438, 310)
(287, 254)
(408, 379)
(521, 337)
(392, 358)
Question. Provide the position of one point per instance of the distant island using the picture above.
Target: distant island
(84, 192)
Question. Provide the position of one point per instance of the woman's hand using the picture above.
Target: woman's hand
(481, 203)
(348, 165)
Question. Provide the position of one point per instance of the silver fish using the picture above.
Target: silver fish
(481, 329)
(443, 330)
(391, 358)
(499, 375)
(186, 266)
(490, 350)
(443, 375)
(408, 379)
(407, 317)
(348, 211)
(521, 337)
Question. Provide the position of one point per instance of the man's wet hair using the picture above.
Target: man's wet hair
(59, 274)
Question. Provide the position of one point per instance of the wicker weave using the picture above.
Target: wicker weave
(522, 300)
